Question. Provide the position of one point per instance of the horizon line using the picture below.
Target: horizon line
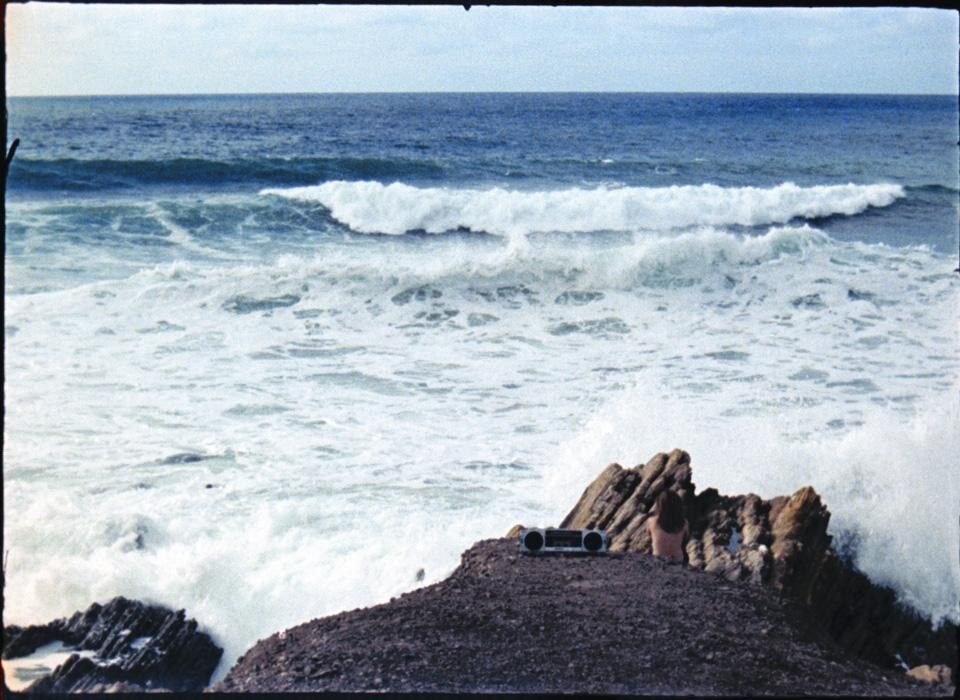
(477, 92)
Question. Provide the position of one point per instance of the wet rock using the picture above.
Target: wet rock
(134, 644)
(23, 641)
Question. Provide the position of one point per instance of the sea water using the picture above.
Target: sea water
(269, 356)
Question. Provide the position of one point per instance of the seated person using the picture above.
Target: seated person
(667, 526)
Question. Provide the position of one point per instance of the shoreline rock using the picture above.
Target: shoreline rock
(136, 647)
(619, 623)
(781, 543)
(627, 622)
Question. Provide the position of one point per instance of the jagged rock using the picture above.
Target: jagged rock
(147, 646)
(781, 542)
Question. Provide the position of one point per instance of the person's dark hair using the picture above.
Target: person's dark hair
(669, 511)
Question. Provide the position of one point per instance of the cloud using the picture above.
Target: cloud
(265, 48)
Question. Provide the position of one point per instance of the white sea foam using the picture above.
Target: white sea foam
(371, 207)
(415, 388)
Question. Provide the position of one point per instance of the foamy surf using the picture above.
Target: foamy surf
(328, 386)
(397, 208)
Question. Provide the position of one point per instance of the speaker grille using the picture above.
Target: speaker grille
(593, 542)
(533, 541)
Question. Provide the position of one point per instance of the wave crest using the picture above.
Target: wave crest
(398, 208)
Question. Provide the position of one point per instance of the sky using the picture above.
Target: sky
(67, 49)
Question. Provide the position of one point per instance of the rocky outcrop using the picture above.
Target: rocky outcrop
(136, 647)
(625, 622)
(621, 623)
(781, 543)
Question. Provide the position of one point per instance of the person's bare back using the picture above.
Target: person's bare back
(668, 526)
(666, 544)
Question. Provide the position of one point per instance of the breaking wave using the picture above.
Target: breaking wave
(398, 208)
(655, 261)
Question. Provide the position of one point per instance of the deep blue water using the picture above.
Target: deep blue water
(147, 146)
(654, 139)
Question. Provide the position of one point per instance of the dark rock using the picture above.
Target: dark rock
(171, 655)
(23, 641)
(623, 624)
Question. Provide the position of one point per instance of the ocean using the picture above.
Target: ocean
(272, 357)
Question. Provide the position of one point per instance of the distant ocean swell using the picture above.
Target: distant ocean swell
(372, 207)
(94, 175)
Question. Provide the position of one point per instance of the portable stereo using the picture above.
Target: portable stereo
(536, 540)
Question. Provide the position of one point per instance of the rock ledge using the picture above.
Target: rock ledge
(622, 623)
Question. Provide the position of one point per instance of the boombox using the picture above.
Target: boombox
(536, 540)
